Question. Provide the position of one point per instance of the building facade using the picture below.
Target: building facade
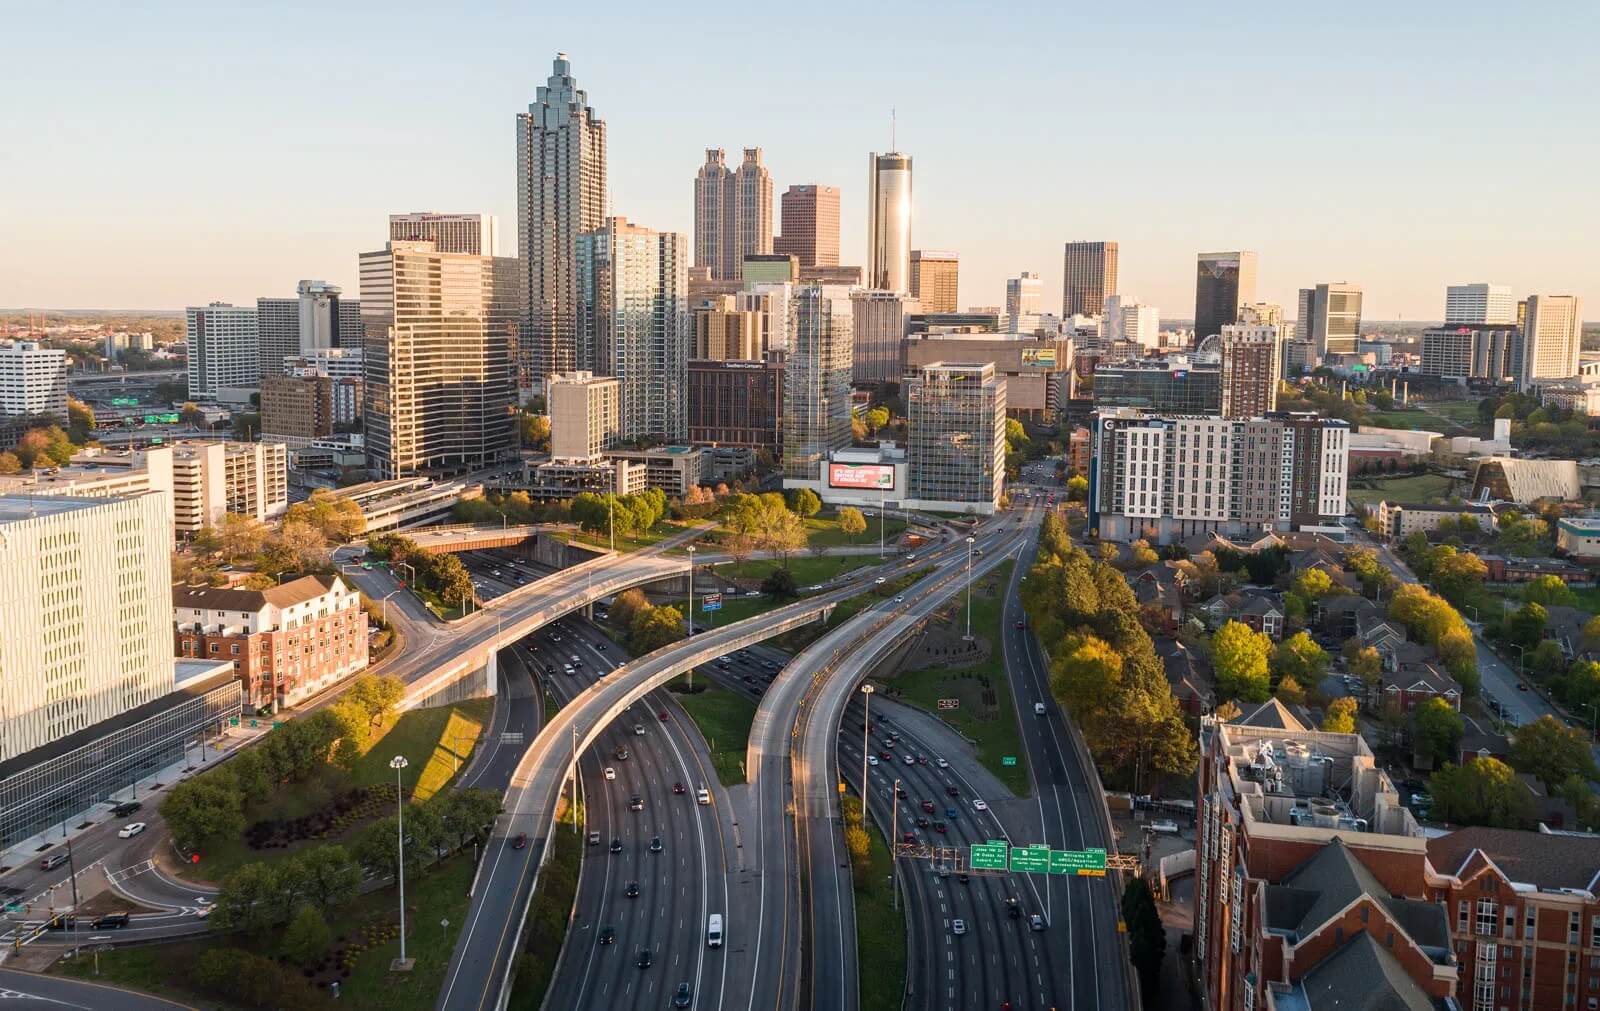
(585, 415)
(224, 349)
(438, 372)
(725, 332)
(1035, 370)
(633, 297)
(737, 403)
(1552, 337)
(296, 409)
(879, 326)
(1252, 360)
(1179, 384)
(1024, 300)
(810, 225)
(478, 234)
(33, 381)
(1124, 320)
(1330, 318)
(732, 213)
(1479, 304)
(817, 379)
(1466, 352)
(889, 222)
(955, 434)
(1223, 283)
(1089, 277)
(561, 192)
(936, 279)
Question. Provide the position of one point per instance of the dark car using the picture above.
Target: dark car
(900, 792)
(1013, 908)
(608, 935)
(1021, 624)
(621, 753)
(884, 755)
(662, 716)
(940, 827)
(644, 959)
(952, 791)
(616, 845)
(636, 803)
(683, 996)
(632, 891)
(111, 921)
(927, 806)
(909, 837)
(126, 808)
(679, 788)
(520, 842)
(923, 822)
(655, 844)
(600, 646)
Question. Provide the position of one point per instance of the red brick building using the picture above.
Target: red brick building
(286, 643)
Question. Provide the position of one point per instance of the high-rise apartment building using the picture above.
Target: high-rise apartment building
(1223, 282)
(889, 222)
(1330, 319)
(633, 299)
(816, 418)
(561, 192)
(732, 213)
(277, 333)
(585, 416)
(1089, 277)
(1480, 303)
(1466, 351)
(1124, 320)
(879, 324)
(955, 434)
(87, 637)
(725, 332)
(1252, 360)
(773, 304)
(478, 234)
(1170, 477)
(296, 409)
(1024, 299)
(1552, 337)
(33, 380)
(810, 225)
(315, 319)
(224, 349)
(440, 329)
(936, 279)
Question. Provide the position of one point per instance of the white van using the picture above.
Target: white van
(1038, 709)
(714, 931)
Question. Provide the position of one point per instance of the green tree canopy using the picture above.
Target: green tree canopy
(1341, 716)
(1483, 792)
(1438, 729)
(1240, 654)
(1551, 751)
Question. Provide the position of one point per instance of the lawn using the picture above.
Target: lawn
(880, 932)
(1415, 488)
(548, 915)
(807, 570)
(986, 713)
(724, 719)
(1408, 420)
(824, 530)
(633, 541)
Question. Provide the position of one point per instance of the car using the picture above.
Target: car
(909, 837)
(632, 891)
(644, 959)
(130, 830)
(979, 805)
(927, 806)
(1164, 827)
(679, 788)
(616, 845)
(566, 668)
(203, 912)
(610, 773)
(900, 792)
(600, 646)
(1522, 686)
(1035, 922)
(594, 838)
(638, 730)
(923, 822)
(768, 665)
(941, 763)
(872, 760)
(520, 842)
(952, 812)
(555, 638)
(608, 935)
(885, 755)
(747, 679)
(958, 927)
(964, 878)
(655, 844)
(922, 759)
(880, 580)
(126, 808)
(911, 557)
(909, 759)
(702, 796)
(111, 921)
(1013, 907)
(636, 803)
(683, 996)
(549, 668)
(899, 600)
(53, 861)
(621, 753)
(940, 827)
(1021, 624)
(576, 659)
(951, 791)
(662, 716)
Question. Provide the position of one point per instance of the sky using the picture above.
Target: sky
(169, 154)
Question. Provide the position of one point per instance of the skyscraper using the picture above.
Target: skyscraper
(224, 349)
(1223, 283)
(478, 234)
(277, 333)
(879, 325)
(817, 380)
(561, 189)
(1552, 337)
(1124, 319)
(315, 319)
(439, 333)
(889, 222)
(1089, 277)
(1252, 360)
(732, 213)
(936, 279)
(33, 380)
(1024, 297)
(955, 434)
(1479, 303)
(633, 319)
(1330, 319)
(810, 225)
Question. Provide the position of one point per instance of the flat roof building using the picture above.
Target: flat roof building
(224, 349)
(810, 225)
(817, 380)
(955, 434)
(33, 380)
(936, 279)
(585, 415)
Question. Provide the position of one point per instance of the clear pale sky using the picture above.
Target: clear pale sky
(165, 154)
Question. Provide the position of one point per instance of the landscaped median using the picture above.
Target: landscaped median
(723, 718)
(880, 928)
(550, 912)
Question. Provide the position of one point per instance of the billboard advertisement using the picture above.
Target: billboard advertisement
(1038, 358)
(872, 477)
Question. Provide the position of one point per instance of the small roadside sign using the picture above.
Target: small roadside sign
(1008, 760)
(711, 602)
(949, 703)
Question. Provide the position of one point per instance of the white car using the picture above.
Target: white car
(872, 760)
(941, 763)
(202, 912)
(899, 600)
(702, 796)
(638, 730)
(880, 580)
(130, 830)
(979, 805)
(958, 927)
(610, 773)
(910, 759)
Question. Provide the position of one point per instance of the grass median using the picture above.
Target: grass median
(549, 915)
(880, 931)
(724, 719)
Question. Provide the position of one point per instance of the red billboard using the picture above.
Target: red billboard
(873, 477)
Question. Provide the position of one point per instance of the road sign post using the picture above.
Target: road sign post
(1086, 863)
(1008, 760)
(989, 856)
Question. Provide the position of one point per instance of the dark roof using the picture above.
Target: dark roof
(1494, 744)
(1259, 604)
(1425, 675)
(1541, 859)
(1332, 879)
(1271, 714)
(1360, 975)
(1442, 507)
(214, 598)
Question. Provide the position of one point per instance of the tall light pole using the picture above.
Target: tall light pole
(866, 726)
(690, 549)
(385, 606)
(970, 542)
(398, 763)
(894, 841)
(574, 777)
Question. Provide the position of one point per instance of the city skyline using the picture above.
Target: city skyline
(1391, 221)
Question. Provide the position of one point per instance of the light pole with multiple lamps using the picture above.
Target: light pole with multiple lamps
(970, 542)
(398, 763)
(866, 726)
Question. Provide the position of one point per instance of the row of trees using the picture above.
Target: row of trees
(300, 545)
(629, 513)
(442, 573)
(1431, 620)
(763, 523)
(45, 446)
(649, 627)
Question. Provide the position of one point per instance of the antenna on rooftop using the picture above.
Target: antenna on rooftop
(892, 129)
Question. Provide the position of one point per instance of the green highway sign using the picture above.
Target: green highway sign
(1087, 862)
(989, 856)
(1030, 859)
(1008, 759)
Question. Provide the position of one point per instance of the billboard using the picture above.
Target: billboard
(1038, 358)
(874, 476)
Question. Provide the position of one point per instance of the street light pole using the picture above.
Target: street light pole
(866, 726)
(968, 636)
(894, 840)
(398, 763)
(385, 606)
(690, 549)
(574, 777)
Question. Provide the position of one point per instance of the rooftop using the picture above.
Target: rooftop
(214, 598)
(1357, 976)
(1543, 860)
(18, 508)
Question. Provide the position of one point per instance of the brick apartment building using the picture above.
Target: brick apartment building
(286, 643)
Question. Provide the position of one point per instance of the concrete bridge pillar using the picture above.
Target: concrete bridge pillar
(491, 672)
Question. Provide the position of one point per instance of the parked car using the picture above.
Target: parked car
(126, 808)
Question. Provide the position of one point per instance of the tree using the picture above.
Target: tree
(240, 537)
(655, 628)
(1438, 729)
(1551, 751)
(1141, 555)
(1147, 938)
(9, 464)
(1457, 575)
(246, 979)
(1546, 659)
(376, 695)
(1526, 624)
(1301, 658)
(331, 875)
(627, 604)
(80, 421)
(779, 584)
(1366, 663)
(1239, 654)
(205, 808)
(1483, 792)
(535, 431)
(1341, 716)
(307, 936)
(1016, 435)
(1312, 584)
(303, 546)
(1591, 633)
(805, 502)
(851, 522)
(1086, 678)
(1228, 711)
(377, 847)
(1550, 591)
(876, 418)
(248, 898)
(858, 429)
(1289, 692)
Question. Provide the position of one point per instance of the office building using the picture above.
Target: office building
(1252, 363)
(277, 333)
(850, 277)
(817, 380)
(438, 384)
(335, 363)
(1169, 477)
(633, 298)
(1462, 351)
(296, 410)
(1035, 370)
(1180, 384)
(585, 415)
(737, 403)
(1024, 298)
(955, 435)
(82, 581)
(1552, 337)
(936, 279)
(33, 381)
(971, 321)
(1125, 321)
(224, 349)
(810, 225)
(889, 222)
(561, 192)
(316, 319)
(770, 268)
(286, 643)
(1330, 319)
(477, 234)
(879, 326)
(772, 304)
(1223, 283)
(732, 213)
(1089, 277)
(725, 332)
(1479, 304)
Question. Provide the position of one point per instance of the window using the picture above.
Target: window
(1488, 916)
(1461, 916)
(1573, 926)
(1594, 932)
(1528, 924)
